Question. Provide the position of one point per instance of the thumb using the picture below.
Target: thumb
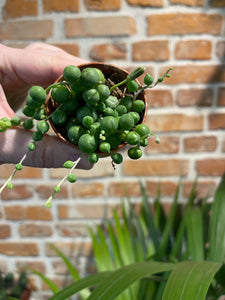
(50, 152)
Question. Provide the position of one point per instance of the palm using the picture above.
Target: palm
(24, 68)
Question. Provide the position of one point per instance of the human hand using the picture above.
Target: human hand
(37, 64)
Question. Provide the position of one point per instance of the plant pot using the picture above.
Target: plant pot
(113, 75)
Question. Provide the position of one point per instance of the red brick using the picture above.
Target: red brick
(38, 213)
(91, 189)
(200, 144)
(217, 121)
(162, 167)
(217, 3)
(104, 52)
(189, 2)
(150, 50)
(18, 192)
(220, 50)
(159, 98)
(100, 26)
(168, 144)
(221, 97)
(60, 6)
(19, 249)
(20, 8)
(194, 49)
(102, 169)
(26, 172)
(194, 96)
(210, 167)
(28, 212)
(174, 122)
(45, 190)
(5, 231)
(184, 23)
(35, 230)
(26, 30)
(83, 211)
(167, 188)
(39, 266)
(103, 5)
(195, 74)
(70, 48)
(70, 249)
(203, 188)
(156, 3)
(124, 189)
(15, 212)
(72, 229)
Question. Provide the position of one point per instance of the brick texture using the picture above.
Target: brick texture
(157, 3)
(211, 167)
(35, 230)
(192, 97)
(150, 50)
(59, 6)
(5, 231)
(193, 49)
(175, 122)
(116, 26)
(163, 167)
(105, 52)
(19, 248)
(217, 121)
(26, 30)
(168, 144)
(102, 5)
(221, 97)
(200, 144)
(20, 8)
(184, 24)
(217, 3)
(189, 2)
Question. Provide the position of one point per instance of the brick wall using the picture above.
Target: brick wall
(187, 112)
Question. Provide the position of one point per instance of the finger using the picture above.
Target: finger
(49, 153)
(5, 109)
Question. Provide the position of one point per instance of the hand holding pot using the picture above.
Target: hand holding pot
(37, 64)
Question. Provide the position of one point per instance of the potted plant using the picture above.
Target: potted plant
(14, 288)
(96, 107)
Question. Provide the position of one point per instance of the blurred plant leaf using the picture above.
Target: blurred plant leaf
(190, 280)
(217, 224)
(194, 227)
(73, 271)
(77, 286)
(121, 279)
(54, 288)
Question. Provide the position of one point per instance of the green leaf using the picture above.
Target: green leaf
(121, 279)
(147, 215)
(217, 224)
(194, 227)
(77, 286)
(190, 280)
(101, 253)
(162, 249)
(54, 288)
(74, 273)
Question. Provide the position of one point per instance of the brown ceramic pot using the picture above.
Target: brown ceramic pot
(112, 75)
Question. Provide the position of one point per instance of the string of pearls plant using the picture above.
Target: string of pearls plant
(93, 116)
